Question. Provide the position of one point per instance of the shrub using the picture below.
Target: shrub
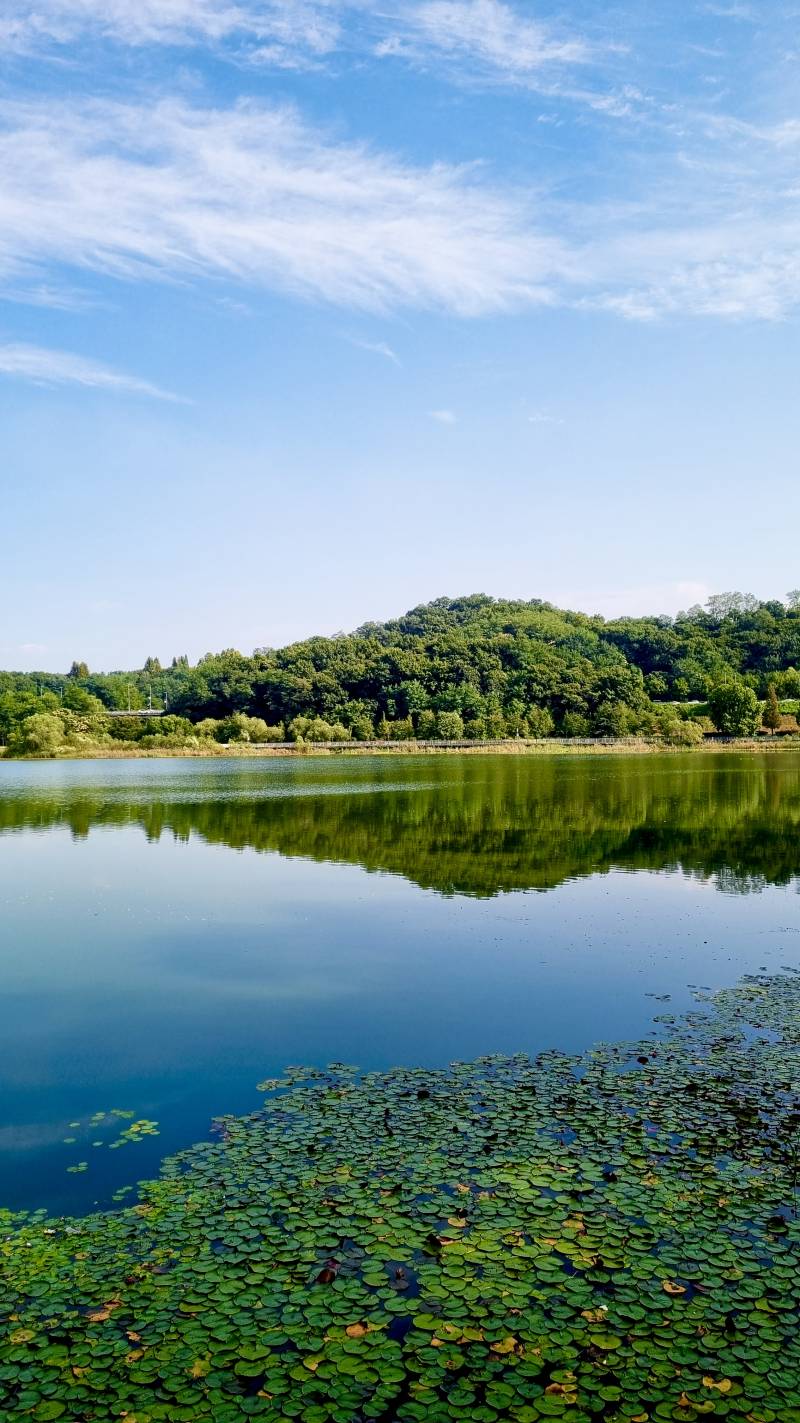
(256, 730)
(298, 728)
(614, 719)
(516, 721)
(426, 724)
(787, 683)
(126, 728)
(676, 731)
(319, 730)
(495, 724)
(39, 735)
(259, 732)
(574, 724)
(239, 727)
(177, 728)
(401, 730)
(208, 727)
(450, 726)
(234, 728)
(540, 722)
(475, 730)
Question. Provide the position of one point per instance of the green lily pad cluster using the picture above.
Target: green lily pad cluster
(612, 1236)
(130, 1135)
(136, 1132)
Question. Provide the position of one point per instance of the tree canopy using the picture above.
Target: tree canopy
(473, 667)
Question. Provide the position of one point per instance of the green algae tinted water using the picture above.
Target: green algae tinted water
(173, 931)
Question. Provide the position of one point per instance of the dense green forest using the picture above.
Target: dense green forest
(465, 668)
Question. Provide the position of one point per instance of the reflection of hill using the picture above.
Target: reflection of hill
(476, 827)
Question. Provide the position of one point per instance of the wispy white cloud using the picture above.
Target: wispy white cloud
(493, 43)
(377, 348)
(55, 298)
(485, 33)
(254, 194)
(233, 307)
(279, 31)
(731, 265)
(490, 42)
(733, 11)
(43, 366)
(543, 417)
(444, 417)
(490, 34)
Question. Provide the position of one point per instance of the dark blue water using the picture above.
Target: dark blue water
(173, 931)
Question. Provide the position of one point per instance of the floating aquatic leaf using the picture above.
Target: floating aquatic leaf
(587, 1238)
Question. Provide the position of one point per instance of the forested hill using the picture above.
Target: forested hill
(473, 666)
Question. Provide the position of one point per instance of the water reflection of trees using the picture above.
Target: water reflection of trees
(475, 827)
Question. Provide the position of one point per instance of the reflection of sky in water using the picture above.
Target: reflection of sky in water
(169, 976)
(187, 781)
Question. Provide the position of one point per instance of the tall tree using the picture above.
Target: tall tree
(735, 708)
(772, 711)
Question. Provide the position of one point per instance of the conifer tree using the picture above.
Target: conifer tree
(772, 711)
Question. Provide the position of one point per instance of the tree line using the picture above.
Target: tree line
(466, 668)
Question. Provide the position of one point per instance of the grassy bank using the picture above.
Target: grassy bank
(549, 746)
(607, 1237)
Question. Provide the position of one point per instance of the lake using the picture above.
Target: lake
(173, 931)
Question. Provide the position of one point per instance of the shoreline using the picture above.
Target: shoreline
(550, 746)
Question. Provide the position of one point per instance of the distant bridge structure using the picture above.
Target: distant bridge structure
(137, 711)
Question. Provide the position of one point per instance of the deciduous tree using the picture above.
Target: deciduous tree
(735, 708)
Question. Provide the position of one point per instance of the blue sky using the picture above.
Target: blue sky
(312, 310)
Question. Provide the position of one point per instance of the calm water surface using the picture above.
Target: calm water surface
(172, 931)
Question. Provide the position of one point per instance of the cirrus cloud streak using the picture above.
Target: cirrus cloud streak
(253, 195)
(288, 29)
(43, 366)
